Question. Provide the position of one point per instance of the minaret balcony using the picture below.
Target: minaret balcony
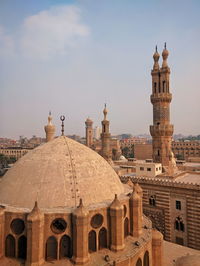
(161, 130)
(161, 97)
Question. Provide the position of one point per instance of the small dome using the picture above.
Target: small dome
(188, 260)
(88, 120)
(122, 158)
(58, 174)
(165, 52)
(156, 55)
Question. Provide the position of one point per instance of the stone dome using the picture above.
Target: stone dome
(57, 174)
(189, 260)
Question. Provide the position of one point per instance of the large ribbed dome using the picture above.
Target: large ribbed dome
(58, 174)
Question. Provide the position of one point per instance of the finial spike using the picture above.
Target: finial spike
(49, 112)
(62, 118)
(156, 49)
(105, 105)
(165, 45)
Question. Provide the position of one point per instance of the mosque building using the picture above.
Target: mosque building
(63, 203)
(62, 200)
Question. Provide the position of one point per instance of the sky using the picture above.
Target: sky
(70, 57)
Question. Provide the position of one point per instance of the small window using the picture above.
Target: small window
(156, 169)
(152, 200)
(154, 87)
(148, 169)
(178, 205)
(141, 168)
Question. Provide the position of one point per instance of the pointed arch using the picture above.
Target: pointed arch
(126, 227)
(51, 248)
(22, 247)
(10, 246)
(92, 241)
(146, 259)
(65, 247)
(103, 238)
(139, 262)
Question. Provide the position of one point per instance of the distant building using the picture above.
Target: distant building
(143, 151)
(186, 149)
(15, 152)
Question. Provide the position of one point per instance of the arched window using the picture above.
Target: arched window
(103, 238)
(146, 259)
(179, 225)
(164, 83)
(176, 225)
(10, 246)
(182, 226)
(126, 227)
(65, 247)
(139, 262)
(22, 247)
(92, 241)
(152, 201)
(155, 87)
(51, 248)
(158, 152)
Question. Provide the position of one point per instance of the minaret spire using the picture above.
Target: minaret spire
(105, 137)
(49, 129)
(89, 132)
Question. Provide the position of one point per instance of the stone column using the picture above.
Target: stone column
(135, 202)
(35, 237)
(2, 223)
(80, 234)
(117, 225)
(157, 248)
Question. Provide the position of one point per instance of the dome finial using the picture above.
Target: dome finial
(165, 54)
(105, 111)
(156, 57)
(62, 118)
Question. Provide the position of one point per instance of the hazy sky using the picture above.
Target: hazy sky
(72, 56)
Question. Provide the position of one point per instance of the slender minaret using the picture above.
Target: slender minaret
(161, 130)
(49, 129)
(89, 132)
(105, 138)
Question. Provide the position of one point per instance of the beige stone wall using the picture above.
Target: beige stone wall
(166, 193)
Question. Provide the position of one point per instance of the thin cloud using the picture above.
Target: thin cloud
(6, 43)
(46, 34)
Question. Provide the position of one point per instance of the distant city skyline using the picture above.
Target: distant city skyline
(71, 57)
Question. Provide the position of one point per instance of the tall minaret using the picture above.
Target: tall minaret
(49, 129)
(89, 132)
(105, 138)
(161, 130)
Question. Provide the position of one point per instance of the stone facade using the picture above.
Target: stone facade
(184, 150)
(173, 207)
(42, 235)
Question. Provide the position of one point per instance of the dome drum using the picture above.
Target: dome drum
(57, 231)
